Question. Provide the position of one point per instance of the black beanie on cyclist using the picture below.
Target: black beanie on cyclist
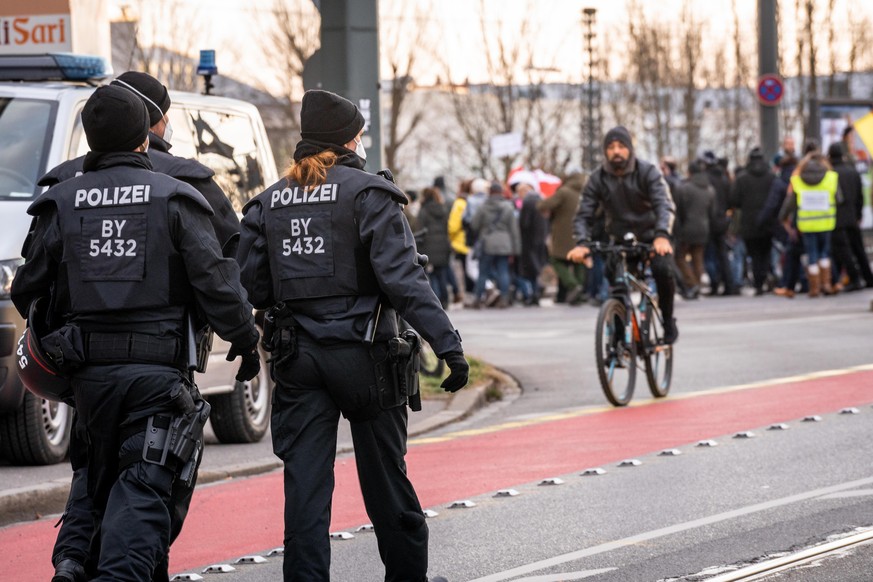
(619, 134)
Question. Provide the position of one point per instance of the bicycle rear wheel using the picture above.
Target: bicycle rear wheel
(616, 356)
(658, 356)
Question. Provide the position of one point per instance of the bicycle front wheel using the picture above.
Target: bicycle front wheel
(658, 355)
(616, 353)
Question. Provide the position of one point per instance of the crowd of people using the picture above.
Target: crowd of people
(783, 226)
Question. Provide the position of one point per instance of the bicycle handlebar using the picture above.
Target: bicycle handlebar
(614, 248)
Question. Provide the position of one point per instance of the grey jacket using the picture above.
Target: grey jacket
(497, 227)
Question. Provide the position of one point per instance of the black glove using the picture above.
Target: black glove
(459, 372)
(251, 362)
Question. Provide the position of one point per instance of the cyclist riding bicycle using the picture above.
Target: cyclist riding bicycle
(635, 199)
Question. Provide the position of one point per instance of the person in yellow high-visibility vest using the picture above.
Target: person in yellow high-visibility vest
(814, 193)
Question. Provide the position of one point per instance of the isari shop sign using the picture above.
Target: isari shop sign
(35, 34)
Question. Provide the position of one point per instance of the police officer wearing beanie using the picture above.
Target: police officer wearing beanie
(157, 101)
(125, 255)
(635, 199)
(328, 250)
(73, 547)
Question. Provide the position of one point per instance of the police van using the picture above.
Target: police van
(41, 99)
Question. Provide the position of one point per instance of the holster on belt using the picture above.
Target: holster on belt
(176, 439)
(397, 373)
(280, 334)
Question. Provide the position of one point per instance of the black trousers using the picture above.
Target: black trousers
(663, 267)
(759, 249)
(79, 536)
(133, 508)
(311, 392)
(856, 241)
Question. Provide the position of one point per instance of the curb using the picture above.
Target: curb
(24, 504)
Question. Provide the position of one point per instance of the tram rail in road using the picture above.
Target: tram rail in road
(760, 570)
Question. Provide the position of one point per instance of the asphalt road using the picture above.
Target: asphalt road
(686, 517)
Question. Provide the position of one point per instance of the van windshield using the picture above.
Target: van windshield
(25, 126)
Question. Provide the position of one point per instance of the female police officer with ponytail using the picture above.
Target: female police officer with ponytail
(328, 251)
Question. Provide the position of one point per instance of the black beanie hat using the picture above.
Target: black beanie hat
(114, 120)
(619, 134)
(150, 90)
(756, 154)
(329, 118)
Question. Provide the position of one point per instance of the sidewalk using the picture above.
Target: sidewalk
(50, 496)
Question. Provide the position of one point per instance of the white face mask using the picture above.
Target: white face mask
(168, 132)
(359, 149)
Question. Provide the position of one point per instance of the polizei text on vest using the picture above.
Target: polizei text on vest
(117, 196)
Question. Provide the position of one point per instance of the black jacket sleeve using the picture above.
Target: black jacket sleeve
(215, 279)
(386, 233)
(224, 220)
(42, 255)
(253, 259)
(584, 221)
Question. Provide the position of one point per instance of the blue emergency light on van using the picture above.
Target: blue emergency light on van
(53, 67)
(207, 65)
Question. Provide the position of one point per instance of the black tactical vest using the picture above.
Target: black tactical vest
(312, 235)
(118, 252)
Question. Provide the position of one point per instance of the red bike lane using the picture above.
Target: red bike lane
(244, 516)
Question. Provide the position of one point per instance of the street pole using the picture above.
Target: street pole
(348, 63)
(591, 126)
(768, 48)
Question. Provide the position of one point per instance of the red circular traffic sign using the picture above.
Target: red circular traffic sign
(770, 89)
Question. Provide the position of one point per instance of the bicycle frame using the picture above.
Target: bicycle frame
(636, 341)
(624, 285)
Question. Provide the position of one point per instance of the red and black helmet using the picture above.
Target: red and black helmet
(37, 370)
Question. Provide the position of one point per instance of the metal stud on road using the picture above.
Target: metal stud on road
(745, 434)
(593, 472)
(506, 493)
(812, 418)
(341, 535)
(707, 443)
(630, 463)
(219, 569)
(552, 481)
(670, 453)
(276, 552)
(189, 576)
(430, 513)
(851, 410)
(251, 560)
(779, 426)
(366, 527)
(461, 504)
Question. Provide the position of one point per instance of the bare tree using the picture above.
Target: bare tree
(406, 42)
(164, 52)
(652, 71)
(691, 58)
(514, 99)
(860, 43)
(291, 34)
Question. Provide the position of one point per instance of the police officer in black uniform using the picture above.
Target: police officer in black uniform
(157, 101)
(126, 255)
(75, 548)
(328, 250)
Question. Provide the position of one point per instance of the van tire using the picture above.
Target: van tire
(37, 433)
(243, 415)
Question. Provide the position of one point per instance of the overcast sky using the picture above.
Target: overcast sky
(232, 26)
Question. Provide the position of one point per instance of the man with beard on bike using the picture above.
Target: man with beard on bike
(635, 199)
